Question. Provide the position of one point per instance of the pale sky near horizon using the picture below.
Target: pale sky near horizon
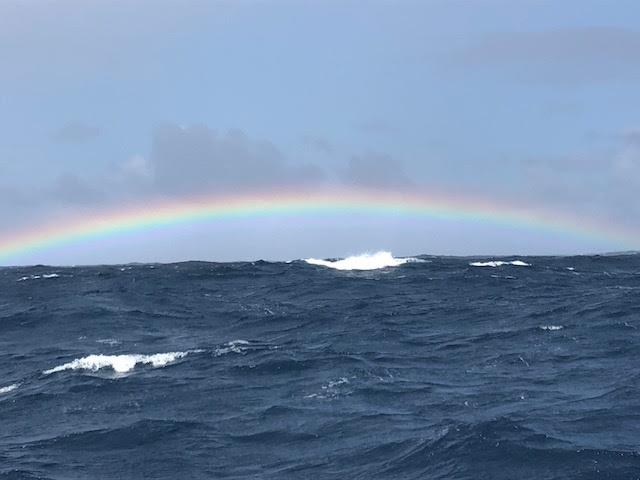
(109, 105)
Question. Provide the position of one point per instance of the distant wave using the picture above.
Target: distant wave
(235, 346)
(499, 263)
(36, 277)
(331, 389)
(119, 363)
(9, 388)
(366, 261)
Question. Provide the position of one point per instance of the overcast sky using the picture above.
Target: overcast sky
(104, 105)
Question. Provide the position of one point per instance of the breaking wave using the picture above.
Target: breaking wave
(36, 277)
(366, 261)
(235, 346)
(118, 363)
(499, 263)
(9, 388)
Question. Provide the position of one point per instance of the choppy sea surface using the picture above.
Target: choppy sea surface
(366, 368)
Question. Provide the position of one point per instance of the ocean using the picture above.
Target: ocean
(367, 368)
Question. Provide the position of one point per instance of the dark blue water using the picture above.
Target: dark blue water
(436, 370)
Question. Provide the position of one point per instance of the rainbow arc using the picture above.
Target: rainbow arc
(309, 203)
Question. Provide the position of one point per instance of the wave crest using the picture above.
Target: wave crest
(235, 346)
(119, 363)
(36, 277)
(499, 263)
(9, 388)
(366, 261)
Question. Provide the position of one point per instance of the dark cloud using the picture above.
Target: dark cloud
(375, 170)
(200, 159)
(579, 55)
(76, 132)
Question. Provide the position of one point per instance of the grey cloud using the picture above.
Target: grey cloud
(200, 159)
(375, 170)
(71, 189)
(319, 144)
(603, 183)
(579, 55)
(376, 126)
(76, 132)
(61, 39)
(632, 137)
(182, 160)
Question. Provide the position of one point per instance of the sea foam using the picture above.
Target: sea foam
(499, 263)
(36, 277)
(235, 346)
(9, 388)
(366, 261)
(119, 363)
(551, 327)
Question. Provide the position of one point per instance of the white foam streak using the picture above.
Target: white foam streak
(366, 261)
(235, 346)
(499, 263)
(119, 363)
(36, 277)
(9, 388)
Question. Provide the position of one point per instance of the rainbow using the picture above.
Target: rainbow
(335, 202)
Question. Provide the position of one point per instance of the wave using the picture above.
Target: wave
(126, 437)
(9, 388)
(331, 389)
(499, 263)
(551, 327)
(235, 346)
(36, 277)
(366, 261)
(119, 363)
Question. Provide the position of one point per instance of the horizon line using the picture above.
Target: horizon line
(487, 256)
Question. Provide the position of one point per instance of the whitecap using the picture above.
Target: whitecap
(235, 346)
(331, 389)
(335, 383)
(551, 327)
(499, 263)
(36, 277)
(112, 342)
(118, 363)
(8, 388)
(366, 261)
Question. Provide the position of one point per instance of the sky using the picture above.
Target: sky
(108, 106)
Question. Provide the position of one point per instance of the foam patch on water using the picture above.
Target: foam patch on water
(9, 388)
(366, 261)
(499, 263)
(331, 389)
(118, 363)
(551, 327)
(235, 346)
(36, 277)
(112, 342)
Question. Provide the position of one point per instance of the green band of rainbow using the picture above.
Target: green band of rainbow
(353, 201)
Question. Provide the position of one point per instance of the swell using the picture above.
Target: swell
(431, 369)
(126, 437)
